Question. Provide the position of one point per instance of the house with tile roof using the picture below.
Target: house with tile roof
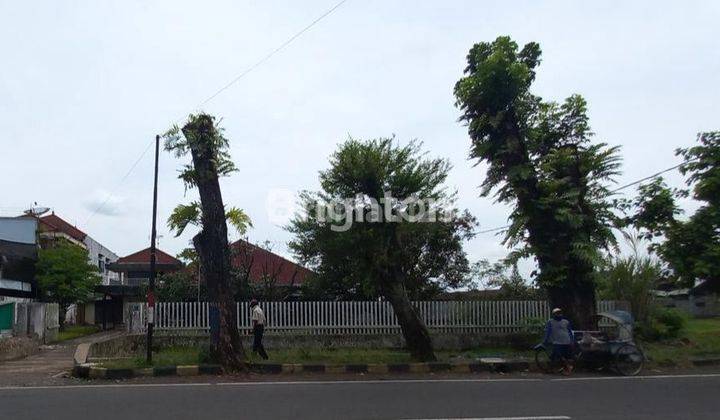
(134, 269)
(264, 267)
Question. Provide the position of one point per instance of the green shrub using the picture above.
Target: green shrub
(207, 354)
(662, 324)
(533, 325)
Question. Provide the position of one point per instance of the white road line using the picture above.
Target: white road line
(505, 418)
(350, 382)
(626, 378)
(377, 381)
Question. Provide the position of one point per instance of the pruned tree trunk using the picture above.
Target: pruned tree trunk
(212, 247)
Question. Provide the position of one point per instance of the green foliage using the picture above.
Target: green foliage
(182, 142)
(191, 214)
(631, 279)
(690, 247)
(662, 324)
(427, 256)
(533, 325)
(541, 161)
(505, 276)
(65, 275)
(75, 331)
(180, 286)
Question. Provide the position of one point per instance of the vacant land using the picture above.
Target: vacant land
(192, 356)
(701, 338)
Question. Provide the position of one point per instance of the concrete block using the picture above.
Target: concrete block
(81, 353)
(291, 368)
(460, 368)
(377, 368)
(335, 369)
(193, 370)
(143, 372)
(419, 368)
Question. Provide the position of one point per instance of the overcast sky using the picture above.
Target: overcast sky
(85, 86)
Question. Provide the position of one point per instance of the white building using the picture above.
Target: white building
(52, 227)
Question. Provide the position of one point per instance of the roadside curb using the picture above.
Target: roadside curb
(705, 361)
(91, 371)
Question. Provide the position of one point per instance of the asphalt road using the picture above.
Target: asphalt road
(674, 397)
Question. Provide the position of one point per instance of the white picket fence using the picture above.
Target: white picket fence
(370, 317)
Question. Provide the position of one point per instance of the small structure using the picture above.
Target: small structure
(133, 272)
(699, 301)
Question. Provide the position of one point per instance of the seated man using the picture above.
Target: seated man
(558, 332)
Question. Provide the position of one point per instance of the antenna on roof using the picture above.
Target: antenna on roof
(36, 211)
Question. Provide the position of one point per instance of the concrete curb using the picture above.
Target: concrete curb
(706, 361)
(91, 371)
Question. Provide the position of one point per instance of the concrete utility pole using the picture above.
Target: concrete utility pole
(151, 282)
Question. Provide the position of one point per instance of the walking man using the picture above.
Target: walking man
(558, 332)
(258, 321)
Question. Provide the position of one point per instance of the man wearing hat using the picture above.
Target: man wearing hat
(558, 332)
(258, 321)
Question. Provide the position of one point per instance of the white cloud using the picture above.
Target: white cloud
(103, 203)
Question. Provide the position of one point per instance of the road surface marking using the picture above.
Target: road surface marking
(505, 418)
(616, 378)
(388, 381)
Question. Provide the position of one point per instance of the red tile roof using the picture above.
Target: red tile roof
(264, 263)
(143, 257)
(55, 224)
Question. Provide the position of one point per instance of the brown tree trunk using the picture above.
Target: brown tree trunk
(212, 247)
(414, 330)
(392, 285)
(578, 304)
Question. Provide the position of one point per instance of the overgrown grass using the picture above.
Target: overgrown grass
(75, 331)
(700, 338)
(192, 356)
(172, 356)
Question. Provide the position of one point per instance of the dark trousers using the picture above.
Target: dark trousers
(258, 347)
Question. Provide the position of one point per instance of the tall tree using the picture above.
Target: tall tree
(65, 275)
(691, 247)
(208, 147)
(541, 161)
(368, 248)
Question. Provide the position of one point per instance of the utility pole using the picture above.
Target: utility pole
(151, 282)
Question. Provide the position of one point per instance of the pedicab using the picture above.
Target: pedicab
(612, 346)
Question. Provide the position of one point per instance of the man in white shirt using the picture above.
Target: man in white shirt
(258, 321)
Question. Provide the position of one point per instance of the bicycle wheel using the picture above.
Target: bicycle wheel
(629, 360)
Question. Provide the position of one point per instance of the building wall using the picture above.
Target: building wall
(18, 253)
(96, 251)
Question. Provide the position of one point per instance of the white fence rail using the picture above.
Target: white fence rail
(321, 318)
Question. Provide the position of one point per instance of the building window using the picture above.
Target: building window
(101, 263)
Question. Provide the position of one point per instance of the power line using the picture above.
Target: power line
(655, 175)
(218, 92)
(272, 53)
(127, 174)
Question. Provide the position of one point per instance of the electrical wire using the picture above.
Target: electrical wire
(655, 175)
(218, 92)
